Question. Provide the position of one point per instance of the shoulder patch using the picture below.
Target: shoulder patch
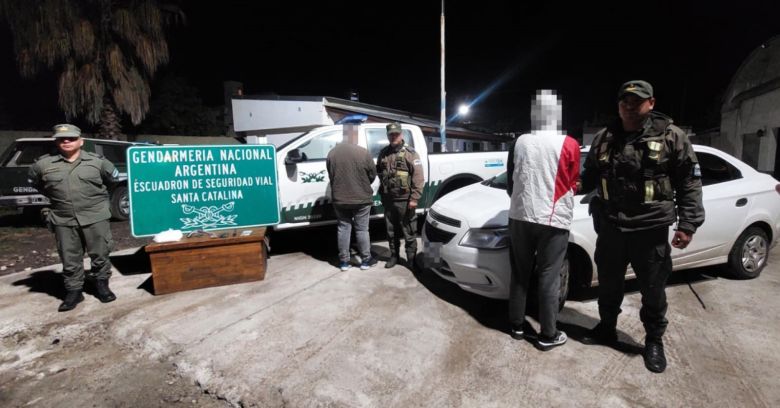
(417, 162)
(696, 172)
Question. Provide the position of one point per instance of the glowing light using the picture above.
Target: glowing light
(463, 110)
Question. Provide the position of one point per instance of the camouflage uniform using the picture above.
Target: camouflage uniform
(645, 182)
(402, 180)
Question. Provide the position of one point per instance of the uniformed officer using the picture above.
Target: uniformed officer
(402, 179)
(75, 182)
(647, 178)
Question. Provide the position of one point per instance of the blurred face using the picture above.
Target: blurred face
(69, 145)
(351, 134)
(634, 110)
(395, 138)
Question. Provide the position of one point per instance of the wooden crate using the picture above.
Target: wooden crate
(201, 262)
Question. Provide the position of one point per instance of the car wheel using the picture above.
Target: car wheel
(120, 204)
(749, 255)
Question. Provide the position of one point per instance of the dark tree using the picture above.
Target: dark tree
(104, 52)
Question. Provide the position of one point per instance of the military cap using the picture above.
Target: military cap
(642, 89)
(394, 127)
(66, 130)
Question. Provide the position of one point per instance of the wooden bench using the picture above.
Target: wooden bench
(203, 261)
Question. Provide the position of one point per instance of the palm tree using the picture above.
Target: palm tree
(104, 51)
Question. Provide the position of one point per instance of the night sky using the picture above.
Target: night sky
(389, 53)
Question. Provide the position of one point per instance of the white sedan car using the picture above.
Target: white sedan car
(466, 237)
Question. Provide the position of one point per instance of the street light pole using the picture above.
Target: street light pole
(443, 123)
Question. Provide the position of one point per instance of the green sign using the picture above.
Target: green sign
(192, 188)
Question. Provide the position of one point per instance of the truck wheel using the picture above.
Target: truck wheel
(120, 204)
(565, 280)
(749, 255)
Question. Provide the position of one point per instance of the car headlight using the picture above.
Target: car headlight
(488, 238)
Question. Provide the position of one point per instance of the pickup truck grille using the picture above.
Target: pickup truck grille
(436, 235)
(444, 219)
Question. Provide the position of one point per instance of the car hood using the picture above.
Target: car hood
(477, 205)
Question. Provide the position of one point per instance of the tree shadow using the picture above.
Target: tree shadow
(321, 244)
(47, 281)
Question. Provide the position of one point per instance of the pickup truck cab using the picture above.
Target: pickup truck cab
(304, 193)
(16, 192)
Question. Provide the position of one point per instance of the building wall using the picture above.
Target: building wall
(740, 128)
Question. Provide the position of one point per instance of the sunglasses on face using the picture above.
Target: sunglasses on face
(66, 139)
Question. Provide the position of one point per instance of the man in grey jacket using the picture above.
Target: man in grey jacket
(351, 171)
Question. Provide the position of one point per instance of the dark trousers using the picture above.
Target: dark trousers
(648, 252)
(401, 222)
(538, 249)
(71, 241)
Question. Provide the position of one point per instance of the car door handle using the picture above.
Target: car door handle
(741, 202)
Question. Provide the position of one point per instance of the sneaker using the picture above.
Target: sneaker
(367, 263)
(517, 334)
(548, 343)
(344, 266)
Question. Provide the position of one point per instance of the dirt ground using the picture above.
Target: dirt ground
(26, 244)
(114, 377)
(310, 335)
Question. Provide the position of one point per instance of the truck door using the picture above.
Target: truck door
(303, 186)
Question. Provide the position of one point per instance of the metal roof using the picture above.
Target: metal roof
(380, 113)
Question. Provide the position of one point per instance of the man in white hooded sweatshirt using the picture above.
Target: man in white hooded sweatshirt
(543, 168)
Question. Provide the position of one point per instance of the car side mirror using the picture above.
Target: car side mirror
(294, 156)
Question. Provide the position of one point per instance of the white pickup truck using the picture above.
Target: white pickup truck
(304, 193)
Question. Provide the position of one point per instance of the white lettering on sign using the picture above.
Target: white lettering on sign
(229, 182)
(170, 156)
(244, 154)
(177, 198)
(194, 170)
(164, 185)
(221, 195)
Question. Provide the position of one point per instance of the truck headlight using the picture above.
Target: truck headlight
(487, 238)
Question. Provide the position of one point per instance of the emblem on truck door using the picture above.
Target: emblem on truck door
(312, 177)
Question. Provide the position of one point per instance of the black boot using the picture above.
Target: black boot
(601, 334)
(104, 294)
(73, 298)
(392, 261)
(655, 360)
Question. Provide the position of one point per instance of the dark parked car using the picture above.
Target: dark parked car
(16, 192)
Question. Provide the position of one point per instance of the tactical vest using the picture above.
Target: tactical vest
(638, 174)
(396, 180)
